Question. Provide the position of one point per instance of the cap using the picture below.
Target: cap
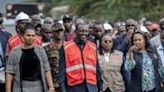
(48, 20)
(22, 16)
(82, 26)
(67, 17)
(99, 27)
(36, 17)
(56, 26)
(46, 27)
(107, 26)
(131, 22)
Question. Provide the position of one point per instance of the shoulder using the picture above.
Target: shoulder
(117, 52)
(13, 38)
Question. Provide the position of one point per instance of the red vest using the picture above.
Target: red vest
(80, 65)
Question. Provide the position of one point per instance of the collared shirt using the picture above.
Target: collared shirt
(160, 51)
(1, 55)
(107, 55)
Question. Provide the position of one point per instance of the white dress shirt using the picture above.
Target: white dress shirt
(160, 51)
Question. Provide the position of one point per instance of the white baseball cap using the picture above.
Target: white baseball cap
(22, 16)
(107, 26)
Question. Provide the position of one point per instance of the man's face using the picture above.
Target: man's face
(130, 28)
(68, 24)
(98, 30)
(58, 34)
(162, 26)
(21, 24)
(82, 32)
(35, 22)
(162, 36)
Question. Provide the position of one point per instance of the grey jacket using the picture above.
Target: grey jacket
(12, 65)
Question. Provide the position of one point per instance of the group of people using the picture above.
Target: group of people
(80, 56)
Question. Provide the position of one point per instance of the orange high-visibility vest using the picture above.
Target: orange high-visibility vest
(80, 64)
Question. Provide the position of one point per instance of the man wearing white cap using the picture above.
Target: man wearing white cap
(108, 28)
(20, 21)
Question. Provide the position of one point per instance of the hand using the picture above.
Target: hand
(133, 48)
(51, 90)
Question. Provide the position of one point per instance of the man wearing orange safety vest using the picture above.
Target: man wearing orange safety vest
(20, 20)
(79, 69)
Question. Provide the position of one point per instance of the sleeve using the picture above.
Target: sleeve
(99, 79)
(129, 65)
(62, 70)
(10, 63)
(45, 60)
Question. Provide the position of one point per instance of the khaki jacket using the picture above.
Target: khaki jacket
(111, 71)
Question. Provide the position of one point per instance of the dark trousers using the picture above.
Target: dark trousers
(2, 87)
(107, 90)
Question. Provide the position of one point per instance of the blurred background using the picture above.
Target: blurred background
(111, 10)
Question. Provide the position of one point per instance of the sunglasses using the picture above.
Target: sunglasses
(108, 41)
(130, 25)
(57, 31)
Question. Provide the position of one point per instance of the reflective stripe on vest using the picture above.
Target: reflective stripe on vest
(78, 71)
(76, 67)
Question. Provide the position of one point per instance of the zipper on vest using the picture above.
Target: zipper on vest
(81, 49)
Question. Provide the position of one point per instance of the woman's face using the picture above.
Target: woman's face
(139, 41)
(29, 36)
(107, 42)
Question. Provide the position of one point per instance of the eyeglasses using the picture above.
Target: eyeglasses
(130, 25)
(108, 41)
(57, 31)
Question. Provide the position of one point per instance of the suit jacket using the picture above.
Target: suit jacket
(136, 73)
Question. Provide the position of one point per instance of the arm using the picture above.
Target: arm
(99, 79)
(10, 71)
(9, 79)
(49, 80)
(129, 61)
(48, 75)
(62, 70)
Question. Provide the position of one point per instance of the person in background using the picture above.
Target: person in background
(160, 53)
(48, 20)
(4, 36)
(68, 24)
(121, 30)
(154, 37)
(27, 68)
(108, 28)
(98, 30)
(36, 21)
(111, 64)
(46, 33)
(123, 43)
(52, 50)
(143, 63)
(79, 69)
(21, 20)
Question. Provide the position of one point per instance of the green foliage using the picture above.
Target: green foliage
(114, 10)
